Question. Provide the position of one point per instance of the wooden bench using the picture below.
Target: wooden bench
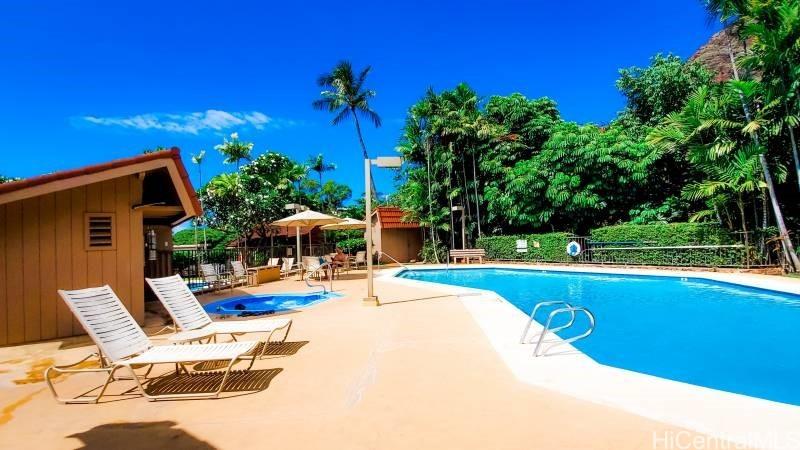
(467, 255)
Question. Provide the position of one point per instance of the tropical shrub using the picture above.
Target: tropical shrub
(547, 247)
(352, 245)
(431, 251)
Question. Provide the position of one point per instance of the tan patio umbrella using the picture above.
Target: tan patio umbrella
(346, 224)
(307, 218)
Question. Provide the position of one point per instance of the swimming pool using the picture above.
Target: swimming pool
(708, 333)
(247, 305)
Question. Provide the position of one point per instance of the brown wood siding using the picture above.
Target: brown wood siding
(15, 310)
(3, 281)
(42, 249)
(47, 267)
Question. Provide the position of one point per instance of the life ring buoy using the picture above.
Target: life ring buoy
(573, 248)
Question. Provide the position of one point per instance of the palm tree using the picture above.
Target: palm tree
(718, 143)
(733, 13)
(235, 150)
(734, 177)
(318, 164)
(774, 30)
(344, 94)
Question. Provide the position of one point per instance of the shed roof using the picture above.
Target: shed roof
(67, 179)
(392, 217)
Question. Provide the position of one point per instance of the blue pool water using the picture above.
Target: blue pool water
(708, 333)
(265, 304)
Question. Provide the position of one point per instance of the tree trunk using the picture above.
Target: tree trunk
(477, 200)
(794, 155)
(364, 150)
(740, 204)
(430, 200)
(791, 256)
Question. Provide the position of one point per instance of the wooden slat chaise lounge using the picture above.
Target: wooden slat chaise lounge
(191, 319)
(123, 344)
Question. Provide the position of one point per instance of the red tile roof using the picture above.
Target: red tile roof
(392, 217)
(173, 153)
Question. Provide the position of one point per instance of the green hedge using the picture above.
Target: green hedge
(669, 234)
(552, 247)
(352, 245)
(216, 239)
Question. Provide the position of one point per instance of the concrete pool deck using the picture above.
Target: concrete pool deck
(723, 415)
(417, 372)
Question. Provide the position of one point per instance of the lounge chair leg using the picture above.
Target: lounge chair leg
(270, 341)
(65, 369)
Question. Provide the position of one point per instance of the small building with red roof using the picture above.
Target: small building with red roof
(393, 235)
(108, 223)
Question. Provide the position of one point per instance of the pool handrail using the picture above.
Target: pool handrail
(533, 314)
(316, 269)
(572, 310)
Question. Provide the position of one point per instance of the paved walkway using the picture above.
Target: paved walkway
(416, 373)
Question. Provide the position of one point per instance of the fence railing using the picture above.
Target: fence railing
(757, 253)
(187, 262)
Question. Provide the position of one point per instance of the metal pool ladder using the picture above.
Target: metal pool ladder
(565, 308)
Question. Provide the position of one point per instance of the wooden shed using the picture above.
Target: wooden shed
(402, 240)
(86, 227)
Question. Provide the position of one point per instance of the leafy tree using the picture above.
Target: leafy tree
(345, 95)
(216, 239)
(254, 197)
(661, 88)
(335, 194)
(583, 177)
(4, 179)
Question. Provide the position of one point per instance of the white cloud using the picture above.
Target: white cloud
(192, 123)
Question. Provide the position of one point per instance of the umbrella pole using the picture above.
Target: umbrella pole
(299, 251)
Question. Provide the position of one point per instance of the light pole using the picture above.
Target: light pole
(381, 161)
(463, 227)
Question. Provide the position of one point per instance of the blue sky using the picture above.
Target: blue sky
(85, 82)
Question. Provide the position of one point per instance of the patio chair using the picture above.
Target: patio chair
(239, 274)
(214, 279)
(191, 319)
(361, 258)
(311, 264)
(273, 261)
(123, 344)
(288, 267)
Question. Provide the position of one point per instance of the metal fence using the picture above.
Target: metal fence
(757, 253)
(187, 262)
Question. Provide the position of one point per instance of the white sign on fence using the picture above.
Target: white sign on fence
(522, 246)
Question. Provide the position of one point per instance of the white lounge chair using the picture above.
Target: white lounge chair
(239, 274)
(213, 278)
(123, 344)
(311, 264)
(288, 267)
(273, 261)
(192, 320)
(361, 258)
